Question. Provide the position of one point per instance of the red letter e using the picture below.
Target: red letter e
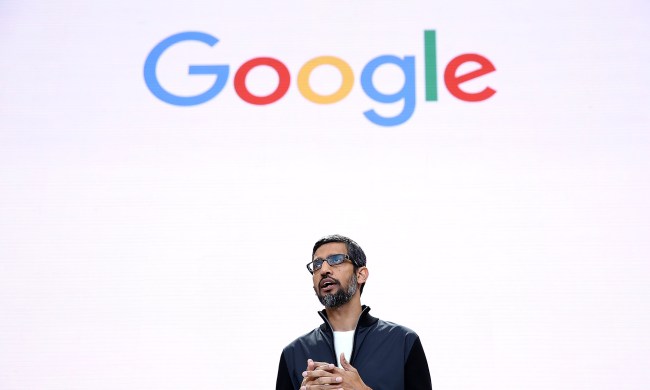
(453, 82)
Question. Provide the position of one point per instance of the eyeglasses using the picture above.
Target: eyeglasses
(332, 260)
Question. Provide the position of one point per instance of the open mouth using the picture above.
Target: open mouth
(328, 284)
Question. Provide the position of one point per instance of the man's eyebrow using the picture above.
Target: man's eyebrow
(333, 254)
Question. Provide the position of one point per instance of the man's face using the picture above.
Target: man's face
(334, 285)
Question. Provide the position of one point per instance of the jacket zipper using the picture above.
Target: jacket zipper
(331, 345)
(354, 339)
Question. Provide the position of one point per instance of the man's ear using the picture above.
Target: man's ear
(362, 274)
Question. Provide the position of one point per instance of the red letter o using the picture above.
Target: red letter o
(242, 72)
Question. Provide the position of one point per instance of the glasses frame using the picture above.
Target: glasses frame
(345, 257)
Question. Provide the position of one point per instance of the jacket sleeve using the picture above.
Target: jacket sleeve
(416, 370)
(284, 379)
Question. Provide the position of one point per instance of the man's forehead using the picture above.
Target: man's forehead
(331, 248)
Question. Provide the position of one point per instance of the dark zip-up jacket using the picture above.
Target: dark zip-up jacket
(388, 356)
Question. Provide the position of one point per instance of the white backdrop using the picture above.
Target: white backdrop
(145, 245)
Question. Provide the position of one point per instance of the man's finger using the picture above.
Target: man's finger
(312, 365)
(320, 387)
(318, 373)
(325, 366)
(346, 365)
(326, 380)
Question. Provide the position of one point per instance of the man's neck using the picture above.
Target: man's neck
(344, 318)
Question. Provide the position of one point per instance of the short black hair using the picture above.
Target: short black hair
(355, 252)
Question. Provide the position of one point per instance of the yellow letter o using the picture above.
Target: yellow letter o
(342, 92)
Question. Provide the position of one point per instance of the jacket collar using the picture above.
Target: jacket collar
(365, 319)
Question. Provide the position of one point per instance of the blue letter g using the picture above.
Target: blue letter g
(152, 81)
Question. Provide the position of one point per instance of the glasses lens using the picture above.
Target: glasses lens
(335, 259)
(316, 264)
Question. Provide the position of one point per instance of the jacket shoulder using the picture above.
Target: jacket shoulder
(400, 334)
(388, 326)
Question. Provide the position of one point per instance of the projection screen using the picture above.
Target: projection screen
(165, 168)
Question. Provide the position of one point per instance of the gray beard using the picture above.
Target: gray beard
(341, 297)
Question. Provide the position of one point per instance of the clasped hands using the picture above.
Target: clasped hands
(326, 376)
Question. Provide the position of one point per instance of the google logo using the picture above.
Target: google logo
(453, 81)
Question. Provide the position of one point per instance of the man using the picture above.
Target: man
(351, 350)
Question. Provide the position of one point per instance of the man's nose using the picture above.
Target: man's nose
(325, 268)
